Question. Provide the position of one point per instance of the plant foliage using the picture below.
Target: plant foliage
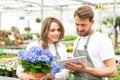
(38, 60)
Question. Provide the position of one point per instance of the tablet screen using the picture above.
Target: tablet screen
(74, 60)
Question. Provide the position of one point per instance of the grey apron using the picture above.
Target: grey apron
(57, 57)
(81, 75)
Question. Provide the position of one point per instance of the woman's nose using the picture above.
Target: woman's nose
(56, 32)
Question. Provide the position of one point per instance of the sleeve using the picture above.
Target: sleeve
(31, 44)
(19, 70)
(106, 50)
(62, 75)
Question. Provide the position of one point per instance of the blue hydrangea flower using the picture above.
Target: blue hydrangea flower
(36, 49)
(36, 54)
(48, 53)
(44, 58)
(54, 68)
(32, 57)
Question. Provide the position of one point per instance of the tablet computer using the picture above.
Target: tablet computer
(74, 60)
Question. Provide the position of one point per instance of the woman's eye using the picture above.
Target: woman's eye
(59, 30)
(52, 30)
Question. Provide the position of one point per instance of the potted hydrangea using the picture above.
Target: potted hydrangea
(38, 60)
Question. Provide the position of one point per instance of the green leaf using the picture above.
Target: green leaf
(70, 76)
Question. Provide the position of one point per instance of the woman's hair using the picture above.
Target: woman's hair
(45, 29)
(84, 12)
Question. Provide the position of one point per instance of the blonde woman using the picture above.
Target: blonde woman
(52, 31)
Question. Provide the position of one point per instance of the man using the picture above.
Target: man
(97, 48)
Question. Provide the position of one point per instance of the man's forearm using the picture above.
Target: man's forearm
(102, 72)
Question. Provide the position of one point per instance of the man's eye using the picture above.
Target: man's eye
(83, 25)
(77, 24)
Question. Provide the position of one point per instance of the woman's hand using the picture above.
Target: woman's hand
(26, 76)
(48, 77)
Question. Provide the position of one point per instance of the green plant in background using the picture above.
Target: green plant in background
(1, 51)
(8, 67)
(6, 55)
(38, 20)
(25, 36)
(117, 20)
(69, 37)
(117, 77)
(15, 31)
(27, 29)
(69, 48)
(109, 20)
(117, 50)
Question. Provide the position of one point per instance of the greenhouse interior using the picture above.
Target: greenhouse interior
(21, 22)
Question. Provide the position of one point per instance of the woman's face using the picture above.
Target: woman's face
(53, 33)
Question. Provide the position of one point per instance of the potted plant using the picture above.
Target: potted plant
(28, 29)
(117, 23)
(38, 20)
(38, 61)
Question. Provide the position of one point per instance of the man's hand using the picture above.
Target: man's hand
(73, 67)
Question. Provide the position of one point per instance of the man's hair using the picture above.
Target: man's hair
(84, 12)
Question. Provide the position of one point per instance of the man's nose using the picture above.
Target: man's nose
(79, 27)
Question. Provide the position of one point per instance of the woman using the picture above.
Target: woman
(52, 31)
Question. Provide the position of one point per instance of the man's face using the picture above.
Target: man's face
(83, 26)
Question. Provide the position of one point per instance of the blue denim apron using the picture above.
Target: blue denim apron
(82, 75)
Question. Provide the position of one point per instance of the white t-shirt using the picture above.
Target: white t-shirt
(62, 53)
(99, 48)
(61, 49)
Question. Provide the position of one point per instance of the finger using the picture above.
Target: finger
(82, 63)
(51, 76)
(72, 71)
(70, 67)
(30, 79)
(69, 64)
(48, 77)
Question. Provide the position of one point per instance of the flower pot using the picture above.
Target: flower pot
(38, 76)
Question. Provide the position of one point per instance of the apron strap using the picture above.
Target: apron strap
(77, 43)
(86, 45)
(57, 57)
